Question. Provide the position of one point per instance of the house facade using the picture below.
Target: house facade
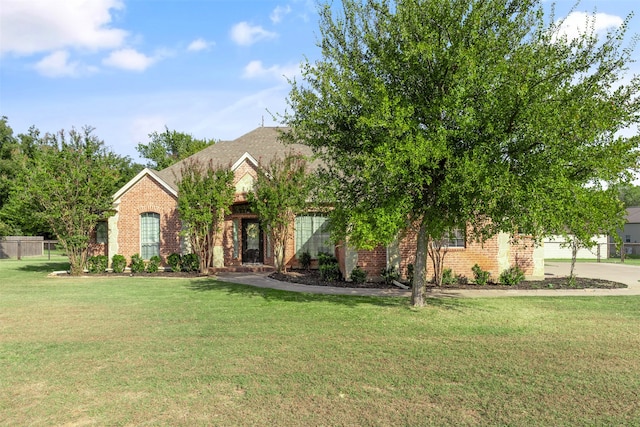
(630, 233)
(147, 223)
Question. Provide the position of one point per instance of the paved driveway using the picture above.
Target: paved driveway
(627, 274)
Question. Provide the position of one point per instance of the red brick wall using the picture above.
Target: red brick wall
(372, 262)
(460, 260)
(147, 195)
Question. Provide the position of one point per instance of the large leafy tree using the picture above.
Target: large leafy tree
(629, 194)
(205, 195)
(69, 186)
(446, 113)
(17, 154)
(279, 194)
(169, 147)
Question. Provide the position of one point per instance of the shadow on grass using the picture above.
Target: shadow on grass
(44, 267)
(305, 297)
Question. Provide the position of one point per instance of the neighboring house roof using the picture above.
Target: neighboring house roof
(633, 215)
(259, 145)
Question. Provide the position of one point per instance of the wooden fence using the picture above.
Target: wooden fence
(24, 246)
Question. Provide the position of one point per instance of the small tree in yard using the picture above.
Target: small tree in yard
(279, 194)
(70, 186)
(447, 112)
(205, 195)
(592, 212)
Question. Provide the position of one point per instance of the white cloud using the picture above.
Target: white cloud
(57, 65)
(255, 69)
(199, 44)
(579, 23)
(279, 12)
(31, 26)
(245, 34)
(129, 59)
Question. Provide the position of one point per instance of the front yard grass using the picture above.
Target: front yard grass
(157, 351)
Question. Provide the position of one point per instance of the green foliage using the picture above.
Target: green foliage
(137, 264)
(389, 274)
(305, 260)
(205, 195)
(628, 194)
(480, 276)
(191, 263)
(97, 264)
(153, 264)
(328, 267)
(358, 275)
(118, 263)
(280, 193)
(436, 113)
(69, 186)
(175, 261)
(512, 276)
(410, 274)
(448, 278)
(169, 147)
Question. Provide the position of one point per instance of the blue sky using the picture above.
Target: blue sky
(211, 68)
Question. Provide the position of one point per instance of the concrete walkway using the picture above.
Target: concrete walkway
(629, 275)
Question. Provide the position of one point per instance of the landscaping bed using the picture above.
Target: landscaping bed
(312, 277)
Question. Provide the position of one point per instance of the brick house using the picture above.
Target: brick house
(146, 222)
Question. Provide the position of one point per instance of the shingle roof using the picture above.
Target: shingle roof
(633, 215)
(262, 143)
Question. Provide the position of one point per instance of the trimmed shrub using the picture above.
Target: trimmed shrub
(328, 267)
(389, 274)
(175, 261)
(448, 278)
(358, 275)
(462, 279)
(190, 263)
(153, 264)
(97, 264)
(118, 263)
(305, 260)
(512, 276)
(330, 272)
(137, 264)
(481, 277)
(410, 274)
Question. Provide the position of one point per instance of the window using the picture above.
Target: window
(312, 235)
(101, 232)
(627, 238)
(456, 238)
(149, 234)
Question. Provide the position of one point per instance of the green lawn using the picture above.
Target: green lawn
(141, 351)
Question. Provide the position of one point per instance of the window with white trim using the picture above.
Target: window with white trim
(149, 235)
(312, 235)
(456, 238)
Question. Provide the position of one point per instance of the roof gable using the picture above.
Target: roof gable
(260, 145)
(145, 172)
(633, 215)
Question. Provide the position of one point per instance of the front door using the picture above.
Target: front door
(252, 242)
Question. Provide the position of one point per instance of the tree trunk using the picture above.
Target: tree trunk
(278, 256)
(437, 251)
(574, 255)
(418, 289)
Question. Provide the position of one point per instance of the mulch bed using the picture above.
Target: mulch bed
(313, 278)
